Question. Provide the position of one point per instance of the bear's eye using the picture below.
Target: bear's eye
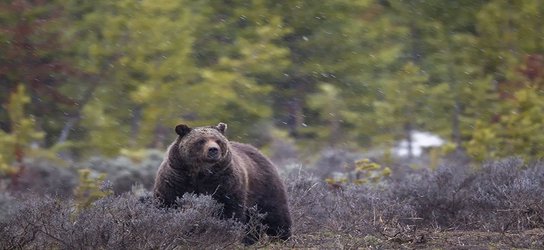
(201, 141)
(218, 142)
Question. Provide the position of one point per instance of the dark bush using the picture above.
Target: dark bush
(124, 172)
(354, 211)
(499, 196)
(57, 178)
(509, 195)
(121, 222)
(438, 197)
(334, 160)
(502, 195)
(44, 177)
(7, 204)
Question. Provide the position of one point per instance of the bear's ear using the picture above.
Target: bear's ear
(182, 130)
(222, 127)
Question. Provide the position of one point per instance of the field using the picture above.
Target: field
(496, 205)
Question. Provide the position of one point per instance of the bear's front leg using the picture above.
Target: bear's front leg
(233, 206)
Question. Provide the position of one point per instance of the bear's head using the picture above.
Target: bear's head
(202, 148)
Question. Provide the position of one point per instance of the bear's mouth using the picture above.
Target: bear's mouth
(212, 160)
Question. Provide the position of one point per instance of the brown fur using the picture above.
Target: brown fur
(203, 161)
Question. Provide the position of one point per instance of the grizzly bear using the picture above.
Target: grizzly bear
(203, 161)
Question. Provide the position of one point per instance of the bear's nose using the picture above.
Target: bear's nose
(213, 152)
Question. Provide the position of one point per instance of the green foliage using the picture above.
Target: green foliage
(145, 47)
(365, 172)
(104, 76)
(506, 30)
(34, 56)
(402, 103)
(513, 56)
(517, 131)
(332, 111)
(5, 168)
(14, 145)
(89, 189)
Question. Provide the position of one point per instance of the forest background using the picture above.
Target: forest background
(86, 78)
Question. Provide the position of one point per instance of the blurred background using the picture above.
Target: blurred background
(99, 85)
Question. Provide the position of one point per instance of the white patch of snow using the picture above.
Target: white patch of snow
(420, 140)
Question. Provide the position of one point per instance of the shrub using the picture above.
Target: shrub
(509, 195)
(355, 212)
(123, 172)
(438, 197)
(7, 204)
(499, 196)
(334, 160)
(89, 189)
(502, 195)
(44, 177)
(118, 222)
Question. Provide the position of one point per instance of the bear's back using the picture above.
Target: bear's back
(265, 189)
(264, 182)
(258, 161)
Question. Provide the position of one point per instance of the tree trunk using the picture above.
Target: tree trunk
(454, 85)
(416, 50)
(408, 129)
(295, 107)
(335, 129)
(75, 117)
(19, 159)
(160, 136)
(136, 118)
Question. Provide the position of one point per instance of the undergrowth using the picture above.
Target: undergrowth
(501, 196)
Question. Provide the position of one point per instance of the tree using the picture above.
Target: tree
(35, 57)
(515, 129)
(402, 104)
(151, 55)
(14, 145)
(513, 55)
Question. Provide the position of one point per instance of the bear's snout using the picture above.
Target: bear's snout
(213, 151)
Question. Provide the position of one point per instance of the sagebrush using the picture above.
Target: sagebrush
(500, 196)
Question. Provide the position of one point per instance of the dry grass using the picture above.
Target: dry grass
(501, 205)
